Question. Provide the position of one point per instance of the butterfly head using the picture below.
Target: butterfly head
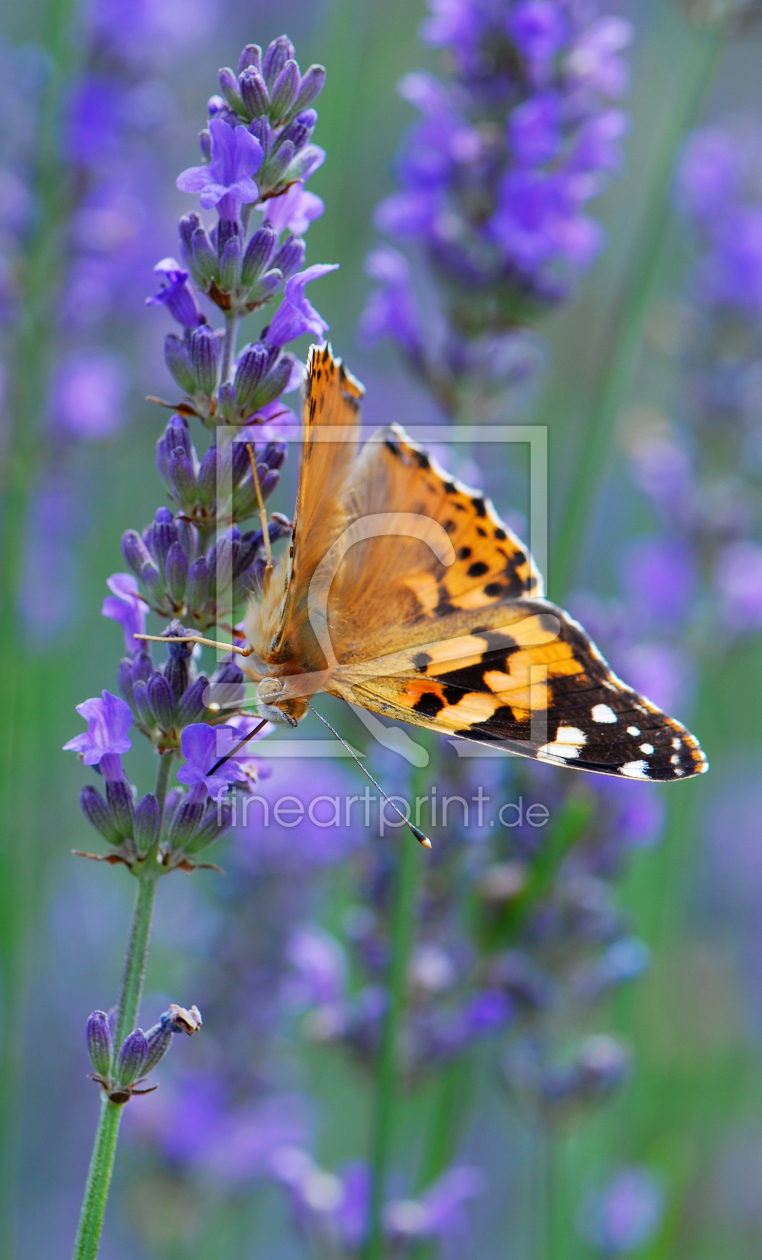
(276, 701)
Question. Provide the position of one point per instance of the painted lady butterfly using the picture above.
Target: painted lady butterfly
(406, 595)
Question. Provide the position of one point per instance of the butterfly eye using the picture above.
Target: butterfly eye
(270, 690)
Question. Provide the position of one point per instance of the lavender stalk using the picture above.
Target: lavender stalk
(194, 562)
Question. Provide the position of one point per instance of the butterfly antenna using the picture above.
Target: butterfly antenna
(193, 638)
(238, 746)
(262, 516)
(419, 835)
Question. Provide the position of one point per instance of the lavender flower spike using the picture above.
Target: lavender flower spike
(108, 721)
(202, 747)
(176, 294)
(127, 607)
(296, 315)
(227, 182)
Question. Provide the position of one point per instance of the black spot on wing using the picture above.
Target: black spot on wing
(429, 704)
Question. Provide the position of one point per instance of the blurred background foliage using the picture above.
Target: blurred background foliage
(691, 1114)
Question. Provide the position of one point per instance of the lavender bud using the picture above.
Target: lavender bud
(260, 128)
(163, 534)
(251, 367)
(197, 585)
(275, 383)
(182, 482)
(178, 361)
(142, 666)
(187, 536)
(161, 699)
(177, 674)
(140, 693)
(285, 91)
(313, 82)
(290, 256)
(207, 478)
(99, 1045)
(206, 355)
(97, 813)
(135, 551)
(251, 56)
(175, 798)
(159, 1039)
(147, 824)
(279, 162)
(177, 572)
(204, 258)
(187, 226)
(275, 454)
(258, 253)
(125, 682)
(265, 286)
(300, 130)
(150, 575)
(185, 824)
(205, 144)
(217, 821)
(230, 265)
(132, 1058)
(121, 801)
(229, 87)
(278, 53)
(254, 93)
(306, 161)
(241, 461)
(191, 707)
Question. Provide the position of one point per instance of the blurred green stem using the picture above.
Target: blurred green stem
(102, 1160)
(631, 308)
(388, 1067)
(232, 324)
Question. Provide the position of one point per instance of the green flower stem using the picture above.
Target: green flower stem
(162, 779)
(640, 280)
(104, 1150)
(388, 1068)
(232, 324)
(98, 1182)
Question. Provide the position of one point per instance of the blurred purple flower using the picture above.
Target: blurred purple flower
(439, 1213)
(108, 721)
(625, 1215)
(88, 394)
(296, 315)
(539, 29)
(203, 746)
(391, 310)
(739, 581)
(176, 294)
(227, 182)
(659, 574)
(594, 61)
(319, 965)
(293, 210)
(94, 121)
(127, 607)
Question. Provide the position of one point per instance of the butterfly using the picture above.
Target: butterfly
(406, 595)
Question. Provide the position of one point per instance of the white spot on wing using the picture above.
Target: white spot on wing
(602, 713)
(570, 735)
(635, 769)
(677, 743)
(633, 730)
(646, 748)
(567, 744)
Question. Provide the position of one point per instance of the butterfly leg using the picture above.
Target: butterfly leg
(263, 518)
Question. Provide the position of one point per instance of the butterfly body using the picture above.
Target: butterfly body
(406, 595)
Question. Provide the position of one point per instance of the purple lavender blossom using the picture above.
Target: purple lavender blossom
(176, 294)
(296, 315)
(203, 746)
(108, 721)
(126, 606)
(226, 183)
(391, 310)
(294, 210)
